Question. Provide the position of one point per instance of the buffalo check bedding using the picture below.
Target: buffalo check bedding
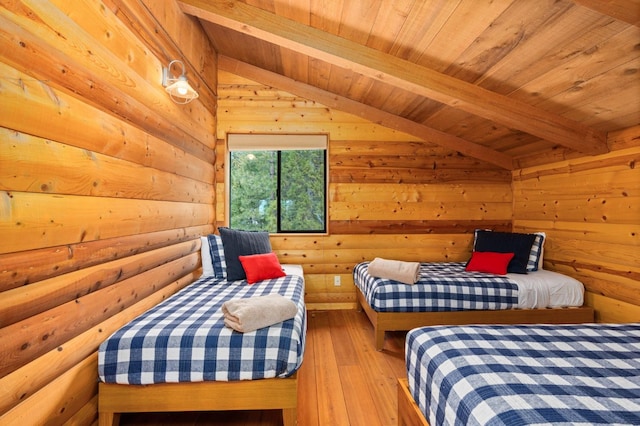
(446, 286)
(442, 287)
(520, 374)
(184, 339)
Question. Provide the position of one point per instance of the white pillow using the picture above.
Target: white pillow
(207, 264)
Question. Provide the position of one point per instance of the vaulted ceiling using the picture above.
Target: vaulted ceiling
(500, 80)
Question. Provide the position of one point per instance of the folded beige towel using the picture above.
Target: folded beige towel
(405, 272)
(249, 314)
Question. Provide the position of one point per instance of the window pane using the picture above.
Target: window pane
(278, 190)
(302, 191)
(253, 186)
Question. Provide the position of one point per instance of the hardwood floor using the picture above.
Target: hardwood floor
(343, 380)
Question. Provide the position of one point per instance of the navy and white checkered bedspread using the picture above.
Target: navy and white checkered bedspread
(184, 339)
(520, 375)
(442, 287)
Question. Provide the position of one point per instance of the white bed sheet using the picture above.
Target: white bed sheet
(547, 289)
(291, 269)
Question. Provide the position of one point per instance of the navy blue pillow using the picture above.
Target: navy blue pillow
(242, 243)
(507, 242)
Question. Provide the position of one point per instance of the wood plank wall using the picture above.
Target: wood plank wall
(105, 186)
(590, 209)
(390, 195)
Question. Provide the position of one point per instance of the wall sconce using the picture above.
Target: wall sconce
(178, 88)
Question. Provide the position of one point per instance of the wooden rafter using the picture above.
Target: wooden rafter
(624, 10)
(365, 111)
(399, 73)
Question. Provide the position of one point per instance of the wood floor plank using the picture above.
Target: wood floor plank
(394, 350)
(332, 409)
(341, 338)
(343, 380)
(381, 380)
(307, 386)
(360, 401)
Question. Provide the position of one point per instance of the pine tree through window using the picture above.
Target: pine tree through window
(281, 187)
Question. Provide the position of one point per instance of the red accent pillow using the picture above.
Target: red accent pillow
(260, 267)
(489, 261)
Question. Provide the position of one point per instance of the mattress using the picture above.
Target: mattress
(520, 375)
(446, 286)
(184, 339)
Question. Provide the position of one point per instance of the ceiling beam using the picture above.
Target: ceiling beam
(370, 113)
(624, 10)
(399, 73)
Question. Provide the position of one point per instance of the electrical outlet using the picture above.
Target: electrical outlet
(336, 281)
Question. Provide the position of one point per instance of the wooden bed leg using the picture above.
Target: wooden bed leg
(108, 419)
(379, 336)
(289, 416)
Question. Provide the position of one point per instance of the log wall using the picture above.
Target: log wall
(590, 209)
(105, 186)
(390, 195)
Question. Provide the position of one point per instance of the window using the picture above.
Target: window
(277, 183)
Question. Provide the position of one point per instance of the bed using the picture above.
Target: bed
(522, 374)
(448, 294)
(179, 356)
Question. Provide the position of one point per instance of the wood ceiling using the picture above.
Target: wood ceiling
(504, 81)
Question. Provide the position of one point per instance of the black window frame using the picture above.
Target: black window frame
(279, 199)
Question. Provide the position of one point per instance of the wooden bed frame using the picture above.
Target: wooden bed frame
(263, 394)
(395, 321)
(409, 413)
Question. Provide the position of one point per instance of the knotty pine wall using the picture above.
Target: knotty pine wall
(390, 195)
(590, 209)
(105, 187)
